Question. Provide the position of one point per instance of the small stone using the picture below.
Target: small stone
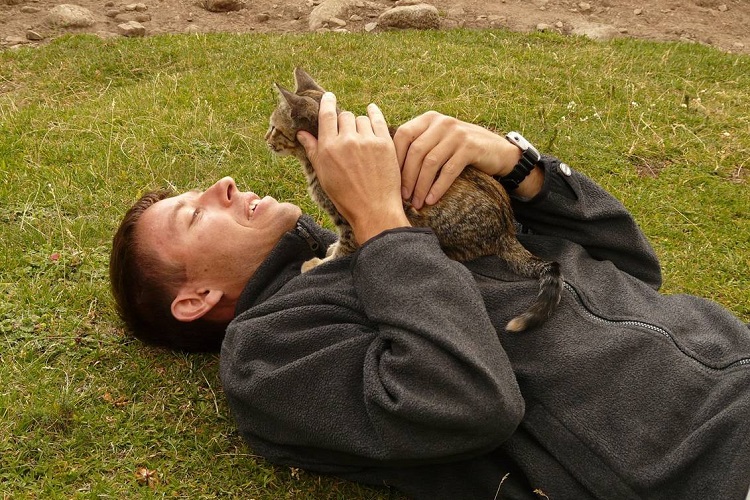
(584, 6)
(355, 18)
(222, 5)
(143, 17)
(543, 7)
(723, 8)
(638, 12)
(112, 13)
(28, 9)
(15, 40)
(370, 26)
(559, 24)
(109, 4)
(340, 23)
(190, 17)
(543, 27)
(33, 36)
(132, 29)
(623, 30)
(738, 45)
(262, 18)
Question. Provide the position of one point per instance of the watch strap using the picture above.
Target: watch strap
(529, 158)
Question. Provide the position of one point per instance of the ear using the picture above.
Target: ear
(192, 305)
(305, 81)
(289, 97)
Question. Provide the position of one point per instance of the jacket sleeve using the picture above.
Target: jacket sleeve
(573, 207)
(410, 371)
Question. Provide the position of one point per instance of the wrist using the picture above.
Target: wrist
(377, 221)
(508, 157)
(531, 185)
(527, 163)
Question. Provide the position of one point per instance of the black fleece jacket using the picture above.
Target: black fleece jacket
(391, 366)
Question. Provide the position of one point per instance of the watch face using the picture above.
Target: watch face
(519, 140)
(529, 151)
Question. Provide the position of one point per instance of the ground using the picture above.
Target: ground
(719, 23)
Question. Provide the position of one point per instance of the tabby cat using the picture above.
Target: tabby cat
(473, 219)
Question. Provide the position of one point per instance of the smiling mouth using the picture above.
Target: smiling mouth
(252, 206)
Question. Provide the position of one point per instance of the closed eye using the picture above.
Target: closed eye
(196, 213)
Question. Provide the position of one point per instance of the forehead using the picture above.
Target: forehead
(158, 225)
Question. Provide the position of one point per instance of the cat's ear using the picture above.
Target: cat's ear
(305, 81)
(288, 97)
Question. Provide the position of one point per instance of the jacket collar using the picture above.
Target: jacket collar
(305, 241)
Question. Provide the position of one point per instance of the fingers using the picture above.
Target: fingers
(309, 142)
(379, 125)
(328, 123)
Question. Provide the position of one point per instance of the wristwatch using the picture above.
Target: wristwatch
(529, 158)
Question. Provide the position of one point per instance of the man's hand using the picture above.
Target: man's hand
(355, 161)
(433, 150)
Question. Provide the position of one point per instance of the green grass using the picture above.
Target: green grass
(86, 125)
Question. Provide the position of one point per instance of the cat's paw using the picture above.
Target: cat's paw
(311, 264)
(333, 249)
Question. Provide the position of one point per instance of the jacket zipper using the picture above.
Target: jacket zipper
(641, 324)
(311, 242)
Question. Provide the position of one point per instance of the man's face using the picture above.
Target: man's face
(220, 235)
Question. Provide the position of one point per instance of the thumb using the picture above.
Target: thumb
(308, 141)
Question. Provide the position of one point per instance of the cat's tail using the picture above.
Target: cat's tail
(550, 289)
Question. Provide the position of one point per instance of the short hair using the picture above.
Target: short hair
(144, 286)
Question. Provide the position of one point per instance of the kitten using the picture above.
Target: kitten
(473, 219)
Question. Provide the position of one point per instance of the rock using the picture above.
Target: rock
(543, 27)
(638, 12)
(143, 17)
(421, 16)
(15, 40)
(131, 28)
(723, 8)
(596, 31)
(340, 23)
(112, 13)
(222, 5)
(559, 25)
(328, 9)
(584, 7)
(70, 16)
(404, 3)
(33, 36)
(370, 27)
(140, 7)
(355, 18)
(262, 18)
(28, 9)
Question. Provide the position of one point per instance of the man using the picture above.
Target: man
(391, 366)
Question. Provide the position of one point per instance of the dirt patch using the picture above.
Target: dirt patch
(723, 24)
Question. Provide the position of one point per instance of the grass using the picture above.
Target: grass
(86, 125)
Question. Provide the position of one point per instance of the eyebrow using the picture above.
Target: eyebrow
(176, 210)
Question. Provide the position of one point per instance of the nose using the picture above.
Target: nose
(222, 192)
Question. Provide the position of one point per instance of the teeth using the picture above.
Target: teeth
(253, 204)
